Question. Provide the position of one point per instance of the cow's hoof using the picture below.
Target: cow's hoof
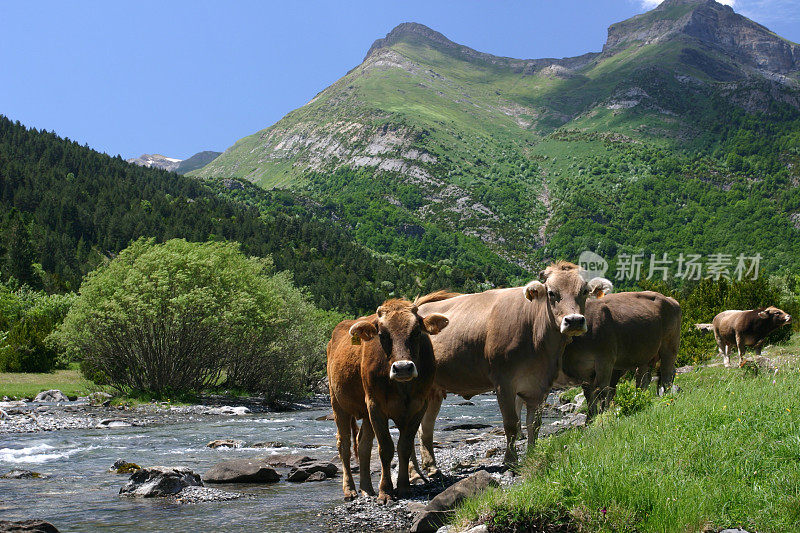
(384, 498)
(350, 495)
(403, 492)
(368, 492)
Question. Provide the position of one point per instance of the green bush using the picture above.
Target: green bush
(177, 317)
(27, 318)
(629, 399)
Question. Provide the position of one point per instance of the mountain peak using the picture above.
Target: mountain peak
(715, 26)
(414, 32)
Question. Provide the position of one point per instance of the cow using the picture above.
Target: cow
(744, 329)
(381, 367)
(509, 341)
(626, 331)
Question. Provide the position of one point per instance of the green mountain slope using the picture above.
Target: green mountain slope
(65, 209)
(641, 147)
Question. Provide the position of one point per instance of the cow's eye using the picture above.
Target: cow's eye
(553, 295)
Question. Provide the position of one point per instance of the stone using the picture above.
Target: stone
(734, 530)
(53, 395)
(228, 410)
(225, 443)
(159, 481)
(287, 460)
(317, 476)
(27, 526)
(455, 427)
(23, 474)
(481, 528)
(579, 400)
(241, 471)
(304, 469)
(205, 494)
(568, 407)
(437, 511)
(114, 423)
(329, 416)
(466, 403)
(99, 398)
(491, 452)
(269, 444)
(121, 466)
(3, 415)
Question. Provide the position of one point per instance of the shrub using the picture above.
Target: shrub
(27, 318)
(171, 317)
(629, 399)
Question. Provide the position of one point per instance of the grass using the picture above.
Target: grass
(725, 452)
(27, 385)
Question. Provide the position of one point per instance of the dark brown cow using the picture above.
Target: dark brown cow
(381, 367)
(509, 341)
(744, 329)
(627, 331)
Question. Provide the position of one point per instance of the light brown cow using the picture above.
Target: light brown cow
(627, 331)
(507, 340)
(381, 367)
(744, 329)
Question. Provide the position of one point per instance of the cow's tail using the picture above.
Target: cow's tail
(354, 431)
(415, 462)
(437, 296)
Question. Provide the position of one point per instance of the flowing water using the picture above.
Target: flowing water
(81, 494)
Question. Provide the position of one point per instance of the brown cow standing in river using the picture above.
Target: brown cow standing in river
(746, 328)
(627, 331)
(507, 340)
(381, 367)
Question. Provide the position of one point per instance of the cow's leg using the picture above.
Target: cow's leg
(343, 425)
(426, 432)
(723, 348)
(643, 376)
(600, 385)
(405, 447)
(726, 359)
(518, 404)
(506, 399)
(757, 348)
(380, 425)
(741, 348)
(611, 390)
(365, 437)
(533, 421)
(591, 399)
(666, 375)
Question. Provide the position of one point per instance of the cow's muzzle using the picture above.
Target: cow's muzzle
(788, 319)
(574, 324)
(403, 371)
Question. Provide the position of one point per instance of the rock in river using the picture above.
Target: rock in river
(160, 481)
(54, 395)
(27, 526)
(225, 443)
(228, 410)
(303, 470)
(124, 467)
(23, 474)
(241, 471)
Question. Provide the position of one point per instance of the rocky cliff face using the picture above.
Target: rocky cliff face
(713, 25)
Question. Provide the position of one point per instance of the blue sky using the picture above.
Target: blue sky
(177, 77)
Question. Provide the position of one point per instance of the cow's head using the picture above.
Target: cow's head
(401, 332)
(774, 317)
(564, 291)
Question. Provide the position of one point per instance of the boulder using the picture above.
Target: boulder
(225, 443)
(287, 460)
(205, 494)
(3, 415)
(241, 471)
(114, 423)
(228, 410)
(23, 474)
(160, 481)
(317, 476)
(437, 511)
(27, 526)
(455, 427)
(121, 466)
(53, 395)
(269, 444)
(99, 398)
(303, 470)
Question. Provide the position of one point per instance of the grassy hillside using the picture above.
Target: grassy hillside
(637, 473)
(664, 142)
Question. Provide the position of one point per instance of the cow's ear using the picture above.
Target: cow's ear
(534, 289)
(363, 330)
(763, 314)
(434, 323)
(598, 287)
(543, 275)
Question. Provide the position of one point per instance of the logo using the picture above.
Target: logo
(592, 265)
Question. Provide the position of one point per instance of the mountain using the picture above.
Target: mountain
(674, 137)
(171, 164)
(156, 161)
(197, 161)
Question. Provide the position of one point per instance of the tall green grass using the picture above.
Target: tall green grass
(725, 452)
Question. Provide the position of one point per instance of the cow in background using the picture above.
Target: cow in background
(743, 329)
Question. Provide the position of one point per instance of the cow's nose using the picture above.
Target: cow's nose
(788, 318)
(403, 371)
(573, 323)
